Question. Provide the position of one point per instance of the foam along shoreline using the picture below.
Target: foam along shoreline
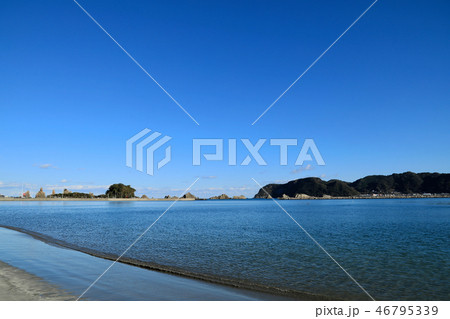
(16, 284)
(73, 271)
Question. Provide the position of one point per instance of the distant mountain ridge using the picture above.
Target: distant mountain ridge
(404, 183)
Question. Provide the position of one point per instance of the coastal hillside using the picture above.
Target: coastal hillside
(404, 183)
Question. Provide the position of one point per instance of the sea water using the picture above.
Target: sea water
(397, 249)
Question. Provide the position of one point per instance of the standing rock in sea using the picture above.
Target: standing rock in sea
(40, 194)
(223, 196)
(171, 197)
(239, 197)
(189, 196)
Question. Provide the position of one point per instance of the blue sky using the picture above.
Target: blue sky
(376, 103)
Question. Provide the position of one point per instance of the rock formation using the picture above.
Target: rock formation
(189, 196)
(144, 197)
(302, 196)
(239, 197)
(40, 194)
(223, 196)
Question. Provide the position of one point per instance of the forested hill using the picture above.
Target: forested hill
(404, 183)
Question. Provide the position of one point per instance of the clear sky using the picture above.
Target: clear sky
(376, 103)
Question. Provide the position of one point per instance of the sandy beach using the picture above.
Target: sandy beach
(16, 284)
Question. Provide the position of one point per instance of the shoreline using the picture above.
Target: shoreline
(227, 282)
(58, 273)
(365, 197)
(11, 199)
(19, 285)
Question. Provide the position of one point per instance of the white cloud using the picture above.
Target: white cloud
(302, 169)
(64, 181)
(13, 185)
(215, 189)
(45, 166)
(88, 186)
(15, 189)
(244, 188)
(78, 187)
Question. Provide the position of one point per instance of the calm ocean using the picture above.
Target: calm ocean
(396, 249)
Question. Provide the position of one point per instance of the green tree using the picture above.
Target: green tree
(120, 191)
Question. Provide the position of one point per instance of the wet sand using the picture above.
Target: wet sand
(16, 284)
